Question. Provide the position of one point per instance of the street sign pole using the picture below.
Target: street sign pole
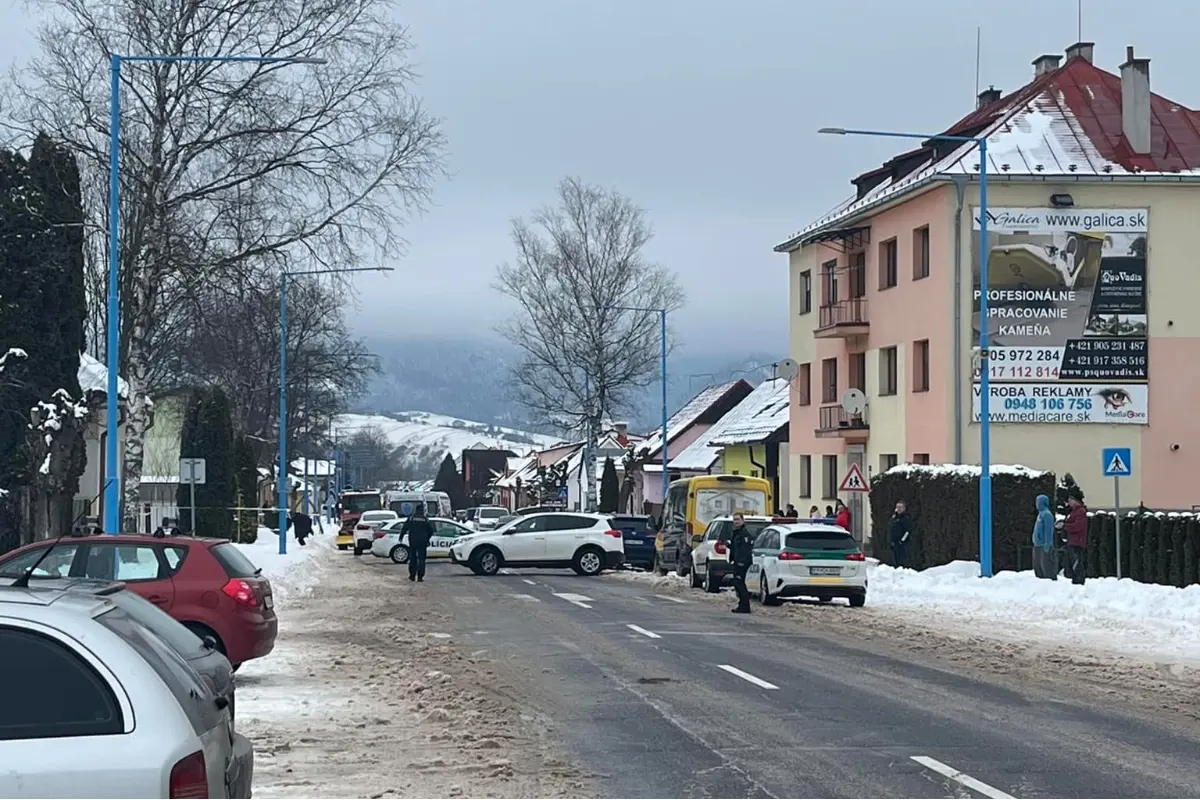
(1117, 463)
(192, 490)
(1117, 509)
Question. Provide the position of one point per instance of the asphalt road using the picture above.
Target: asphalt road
(662, 696)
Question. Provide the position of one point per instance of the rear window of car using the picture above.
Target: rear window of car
(638, 524)
(820, 540)
(231, 559)
(160, 624)
(375, 516)
(753, 527)
(492, 513)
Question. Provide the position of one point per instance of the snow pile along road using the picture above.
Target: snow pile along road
(295, 572)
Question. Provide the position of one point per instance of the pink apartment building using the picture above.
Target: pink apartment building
(1094, 194)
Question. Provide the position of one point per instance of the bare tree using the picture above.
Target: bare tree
(229, 170)
(577, 264)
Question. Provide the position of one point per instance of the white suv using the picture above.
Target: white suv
(587, 543)
(105, 707)
(710, 558)
(807, 559)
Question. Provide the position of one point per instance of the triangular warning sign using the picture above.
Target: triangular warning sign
(854, 480)
(1117, 466)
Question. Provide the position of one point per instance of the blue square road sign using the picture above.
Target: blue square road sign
(1117, 462)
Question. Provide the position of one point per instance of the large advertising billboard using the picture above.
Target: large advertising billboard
(1067, 315)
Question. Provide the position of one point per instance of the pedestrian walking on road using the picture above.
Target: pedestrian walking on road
(741, 555)
(419, 531)
(899, 533)
(1044, 565)
(302, 525)
(1076, 528)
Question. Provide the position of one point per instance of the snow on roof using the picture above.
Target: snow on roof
(93, 377)
(317, 468)
(1065, 123)
(762, 413)
(966, 470)
(685, 417)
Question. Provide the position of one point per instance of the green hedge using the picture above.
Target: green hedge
(943, 501)
(1155, 547)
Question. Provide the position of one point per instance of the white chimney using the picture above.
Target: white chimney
(1046, 63)
(1135, 102)
(1081, 50)
(621, 428)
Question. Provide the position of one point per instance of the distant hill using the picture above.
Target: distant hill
(467, 378)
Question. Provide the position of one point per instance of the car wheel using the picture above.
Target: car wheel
(764, 594)
(485, 561)
(658, 567)
(697, 581)
(588, 561)
(343, 546)
(399, 554)
(712, 584)
(357, 550)
(858, 600)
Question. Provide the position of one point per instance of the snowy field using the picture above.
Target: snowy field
(438, 433)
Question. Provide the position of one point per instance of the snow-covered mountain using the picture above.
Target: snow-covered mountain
(422, 437)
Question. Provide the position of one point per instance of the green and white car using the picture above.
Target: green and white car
(390, 544)
(807, 559)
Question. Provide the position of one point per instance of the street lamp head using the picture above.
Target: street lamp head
(833, 131)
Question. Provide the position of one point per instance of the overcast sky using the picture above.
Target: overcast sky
(704, 112)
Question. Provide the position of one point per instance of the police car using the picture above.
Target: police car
(389, 543)
(807, 559)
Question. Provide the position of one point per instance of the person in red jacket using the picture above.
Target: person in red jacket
(842, 517)
(1076, 527)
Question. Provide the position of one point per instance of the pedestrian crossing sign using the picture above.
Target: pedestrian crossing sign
(1117, 462)
(854, 480)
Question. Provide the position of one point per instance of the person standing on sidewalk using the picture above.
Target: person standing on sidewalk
(1076, 528)
(419, 531)
(741, 555)
(899, 532)
(842, 516)
(1044, 565)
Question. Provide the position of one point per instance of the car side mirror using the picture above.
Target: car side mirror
(209, 642)
(222, 702)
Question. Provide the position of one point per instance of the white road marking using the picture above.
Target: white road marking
(440, 635)
(962, 778)
(672, 599)
(642, 631)
(506, 572)
(526, 597)
(746, 676)
(467, 601)
(580, 600)
(531, 583)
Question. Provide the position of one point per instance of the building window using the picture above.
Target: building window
(858, 371)
(888, 371)
(829, 381)
(829, 279)
(829, 477)
(806, 477)
(804, 385)
(921, 253)
(887, 461)
(888, 273)
(921, 458)
(806, 291)
(858, 275)
(921, 366)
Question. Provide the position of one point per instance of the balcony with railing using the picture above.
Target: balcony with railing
(843, 319)
(835, 422)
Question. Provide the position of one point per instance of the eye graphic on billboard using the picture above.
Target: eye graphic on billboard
(1067, 308)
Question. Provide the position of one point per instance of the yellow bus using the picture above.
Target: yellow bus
(692, 503)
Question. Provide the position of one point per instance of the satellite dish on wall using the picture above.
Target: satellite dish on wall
(854, 401)
(787, 369)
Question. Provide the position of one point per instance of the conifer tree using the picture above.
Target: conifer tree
(610, 487)
(448, 480)
(208, 434)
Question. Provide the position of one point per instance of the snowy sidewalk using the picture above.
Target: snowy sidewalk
(1144, 621)
(294, 573)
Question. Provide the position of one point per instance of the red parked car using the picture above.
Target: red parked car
(207, 584)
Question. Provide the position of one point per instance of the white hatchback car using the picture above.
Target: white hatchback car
(807, 559)
(106, 709)
(368, 523)
(390, 544)
(587, 543)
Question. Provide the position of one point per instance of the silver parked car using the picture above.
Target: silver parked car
(87, 670)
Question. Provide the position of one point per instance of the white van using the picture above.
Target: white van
(437, 504)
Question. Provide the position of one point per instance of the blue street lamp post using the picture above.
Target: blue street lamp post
(282, 479)
(112, 468)
(985, 428)
(662, 322)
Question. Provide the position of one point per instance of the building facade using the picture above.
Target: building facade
(1094, 186)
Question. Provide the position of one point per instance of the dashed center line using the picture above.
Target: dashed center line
(962, 778)
(529, 597)
(642, 631)
(746, 676)
(531, 583)
(670, 599)
(580, 600)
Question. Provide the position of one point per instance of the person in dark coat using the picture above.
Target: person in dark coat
(418, 531)
(741, 555)
(302, 524)
(791, 511)
(1076, 529)
(899, 533)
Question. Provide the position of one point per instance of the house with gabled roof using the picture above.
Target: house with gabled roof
(1093, 190)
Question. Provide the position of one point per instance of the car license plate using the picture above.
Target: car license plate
(825, 570)
(633, 541)
(269, 602)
